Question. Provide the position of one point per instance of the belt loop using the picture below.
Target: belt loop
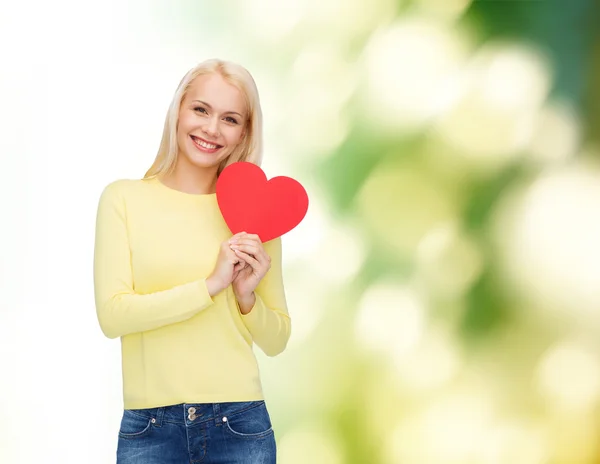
(217, 414)
(160, 412)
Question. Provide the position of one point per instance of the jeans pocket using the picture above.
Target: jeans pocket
(135, 424)
(253, 422)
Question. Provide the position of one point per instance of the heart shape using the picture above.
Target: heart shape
(251, 203)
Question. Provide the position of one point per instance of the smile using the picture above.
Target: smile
(205, 146)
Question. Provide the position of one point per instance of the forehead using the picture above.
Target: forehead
(217, 92)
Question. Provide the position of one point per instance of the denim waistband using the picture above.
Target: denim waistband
(196, 413)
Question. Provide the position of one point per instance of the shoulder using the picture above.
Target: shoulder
(120, 192)
(123, 188)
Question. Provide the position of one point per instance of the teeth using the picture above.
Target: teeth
(203, 144)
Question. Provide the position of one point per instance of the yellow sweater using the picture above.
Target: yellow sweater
(154, 248)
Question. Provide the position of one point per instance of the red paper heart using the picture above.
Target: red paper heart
(251, 203)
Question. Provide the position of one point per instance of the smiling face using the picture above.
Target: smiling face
(212, 121)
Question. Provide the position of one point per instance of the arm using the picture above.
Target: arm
(119, 308)
(268, 320)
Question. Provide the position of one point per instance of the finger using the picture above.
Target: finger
(258, 252)
(231, 256)
(255, 253)
(236, 237)
(239, 272)
(249, 239)
(258, 264)
(250, 249)
(256, 244)
(254, 237)
(239, 266)
(236, 259)
(249, 259)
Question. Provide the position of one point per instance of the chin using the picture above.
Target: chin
(202, 160)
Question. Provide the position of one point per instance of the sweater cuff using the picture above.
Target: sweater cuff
(255, 318)
(203, 293)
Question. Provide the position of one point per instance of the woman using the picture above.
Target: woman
(186, 297)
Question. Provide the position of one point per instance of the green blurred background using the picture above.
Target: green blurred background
(445, 285)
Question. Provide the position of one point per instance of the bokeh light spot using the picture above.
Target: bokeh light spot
(491, 121)
(401, 205)
(390, 319)
(556, 135)
(448, 261)
(548, 237)
(411, 66)
(432, 364)
(568, 376)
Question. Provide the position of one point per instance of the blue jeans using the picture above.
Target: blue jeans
(215, 433)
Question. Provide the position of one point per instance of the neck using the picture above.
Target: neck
(192, 179)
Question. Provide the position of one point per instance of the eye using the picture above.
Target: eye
(199, 109)
(231, 120)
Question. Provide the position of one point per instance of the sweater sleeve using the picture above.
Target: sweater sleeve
(120, 310)
(269, 322)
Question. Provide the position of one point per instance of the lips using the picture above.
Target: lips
(205, 145)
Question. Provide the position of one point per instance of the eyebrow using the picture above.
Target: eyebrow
(226, 112)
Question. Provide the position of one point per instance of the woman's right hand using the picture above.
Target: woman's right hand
(226, 268)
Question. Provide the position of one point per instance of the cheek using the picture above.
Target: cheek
(187, 121)
(235, 137)
(182, 125)
(181, 136)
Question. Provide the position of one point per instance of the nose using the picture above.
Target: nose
(211, 128)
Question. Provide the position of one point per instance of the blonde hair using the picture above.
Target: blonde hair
(250, 147)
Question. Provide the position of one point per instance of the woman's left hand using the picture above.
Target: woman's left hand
(249, 248)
